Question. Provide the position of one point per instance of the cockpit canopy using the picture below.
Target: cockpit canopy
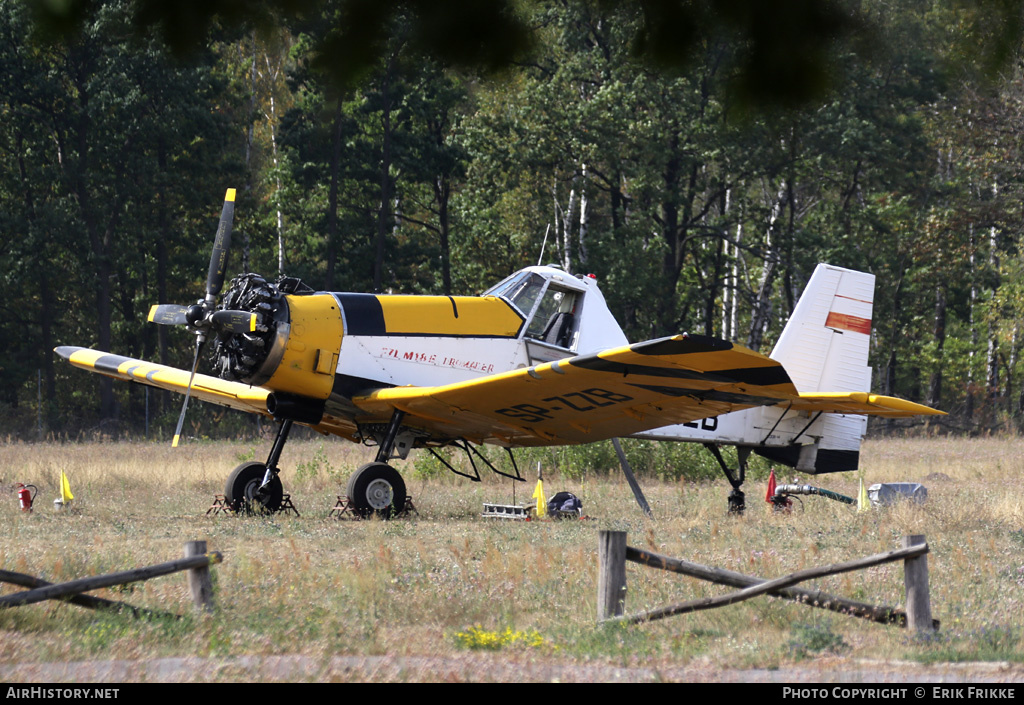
(551, 303)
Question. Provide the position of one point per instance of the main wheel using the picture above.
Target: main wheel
(377, 488)
(243, 490)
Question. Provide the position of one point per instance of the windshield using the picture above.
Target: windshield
(521, 290)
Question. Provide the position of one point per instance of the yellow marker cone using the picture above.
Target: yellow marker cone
(862, 498)
(65, 489)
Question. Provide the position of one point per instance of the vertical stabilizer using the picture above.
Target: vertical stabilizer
(824, 348)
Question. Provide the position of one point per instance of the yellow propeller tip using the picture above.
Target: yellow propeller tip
(174, 443)
(230, 195)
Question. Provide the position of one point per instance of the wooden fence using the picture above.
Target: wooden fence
(196, 561)
(611, 585)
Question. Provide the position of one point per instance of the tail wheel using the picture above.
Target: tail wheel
(243, 492)
(377, 488)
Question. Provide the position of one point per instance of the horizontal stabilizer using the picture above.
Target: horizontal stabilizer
(862, 403)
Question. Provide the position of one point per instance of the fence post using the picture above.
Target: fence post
(611, 579)
(199, 581)
(915, 580)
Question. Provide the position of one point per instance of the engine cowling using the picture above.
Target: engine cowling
(295, 347)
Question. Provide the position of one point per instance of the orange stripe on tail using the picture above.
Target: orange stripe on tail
(844, 321)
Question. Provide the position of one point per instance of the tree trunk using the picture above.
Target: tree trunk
(332, 197)
(99, 242)
(939, 332)
(761, 316)
(442, 193)
(383, 217)
(584, 215)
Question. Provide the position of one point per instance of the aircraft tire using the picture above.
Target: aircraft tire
(377, 488)
(241, 490)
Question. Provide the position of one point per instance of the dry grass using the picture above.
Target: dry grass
(406, 588)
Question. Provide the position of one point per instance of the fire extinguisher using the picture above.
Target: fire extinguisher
(25, 497)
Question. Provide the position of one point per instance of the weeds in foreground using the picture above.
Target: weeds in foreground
(809, 640)
(312, 585)
(990, 643)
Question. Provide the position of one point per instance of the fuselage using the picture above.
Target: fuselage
(316, 350)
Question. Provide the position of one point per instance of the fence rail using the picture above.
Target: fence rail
(197, 561)
(613, 554)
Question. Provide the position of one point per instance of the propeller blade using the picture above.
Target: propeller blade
(235, 321)
(188, 392)
(221, 245)
(168, 314)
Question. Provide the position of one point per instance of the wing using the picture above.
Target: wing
(211, 389)
(206, 388)
(616, 392)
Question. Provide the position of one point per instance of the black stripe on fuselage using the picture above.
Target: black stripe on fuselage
(363, 314)
(763, 376)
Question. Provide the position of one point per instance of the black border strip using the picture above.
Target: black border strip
(763, 376)
(826, 461)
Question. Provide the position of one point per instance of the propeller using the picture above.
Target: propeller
(188, 392)
(202, 317)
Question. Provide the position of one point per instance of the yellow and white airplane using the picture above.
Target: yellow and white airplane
(536, 360)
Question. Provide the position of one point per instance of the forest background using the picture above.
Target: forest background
(699, 157)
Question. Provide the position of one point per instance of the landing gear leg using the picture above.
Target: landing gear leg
(275, 452)
(255, 487)
(737, 500)
(388, 443)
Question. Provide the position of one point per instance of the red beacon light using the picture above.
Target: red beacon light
(592, 276)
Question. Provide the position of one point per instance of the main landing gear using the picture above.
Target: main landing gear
(737, 500)
(375, 488)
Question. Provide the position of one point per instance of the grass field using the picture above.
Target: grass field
(449, 584)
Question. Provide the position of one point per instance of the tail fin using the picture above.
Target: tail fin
(824, 348)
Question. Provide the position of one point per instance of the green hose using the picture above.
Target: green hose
(807, 489)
